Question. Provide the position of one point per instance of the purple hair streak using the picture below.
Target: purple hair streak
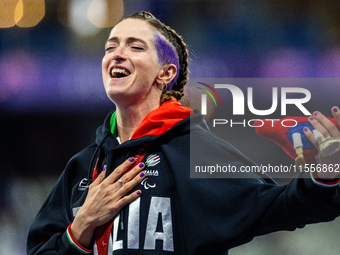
(166, 54)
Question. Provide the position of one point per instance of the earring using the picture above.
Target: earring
(164, 87)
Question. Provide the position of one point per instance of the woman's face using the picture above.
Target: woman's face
(130, 66)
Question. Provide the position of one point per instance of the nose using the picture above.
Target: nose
(118, 54)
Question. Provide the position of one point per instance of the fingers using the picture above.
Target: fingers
(336, 114)
(120, 178)
(319, 122)
(122, 182)
(131, 174)
(128, 199)
(324, 125)
(309, 134)
(131, 180)
(100, 177)
(120, 170)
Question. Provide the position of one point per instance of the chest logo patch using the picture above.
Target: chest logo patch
(152, 160)
(147, 185)
(83, 184)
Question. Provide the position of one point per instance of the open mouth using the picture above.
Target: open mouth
(119, 73)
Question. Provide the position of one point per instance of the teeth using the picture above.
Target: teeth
(118, 72)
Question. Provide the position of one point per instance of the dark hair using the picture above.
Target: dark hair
(177, 91)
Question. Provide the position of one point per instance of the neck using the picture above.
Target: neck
(128, 119)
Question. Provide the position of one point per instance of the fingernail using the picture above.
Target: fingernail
(305, 129)
(141, 165)
(138, 192)
(311, 118)
(104, 169)
(131, 159)
(141, 174)
(316, 114)
(335, 109)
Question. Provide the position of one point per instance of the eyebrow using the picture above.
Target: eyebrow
(129, 40)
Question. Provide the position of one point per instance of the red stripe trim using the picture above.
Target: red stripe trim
(331, 183)
(74, 242)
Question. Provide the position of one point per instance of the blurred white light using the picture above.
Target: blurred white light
(105, 13)
(96, 12)
(86, 17)
(78, 18)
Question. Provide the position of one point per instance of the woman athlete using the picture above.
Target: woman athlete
(131, 191)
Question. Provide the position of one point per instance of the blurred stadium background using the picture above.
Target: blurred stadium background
(52, 98)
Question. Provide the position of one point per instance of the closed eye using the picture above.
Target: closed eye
(110, 48)
(137, 48)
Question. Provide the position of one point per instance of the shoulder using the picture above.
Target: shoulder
(77, 167)
(84, 156)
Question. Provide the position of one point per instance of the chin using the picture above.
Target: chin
(120, 96)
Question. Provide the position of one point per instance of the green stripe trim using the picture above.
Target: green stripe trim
(113, 124)
(74, 244)
(321, 184)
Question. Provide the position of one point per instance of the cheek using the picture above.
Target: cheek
(152, 66)
(105, 63)
(150, 72)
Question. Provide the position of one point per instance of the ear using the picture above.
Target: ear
(166, 74)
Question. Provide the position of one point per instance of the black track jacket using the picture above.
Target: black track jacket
(177, 214)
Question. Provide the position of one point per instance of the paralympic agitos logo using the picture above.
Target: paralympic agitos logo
(239, 102)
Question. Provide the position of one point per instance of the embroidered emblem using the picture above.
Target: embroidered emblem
(147, 185)
(83, 184)
(152, 160)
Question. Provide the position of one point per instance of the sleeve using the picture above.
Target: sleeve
(229, 212)
(74, 243)
(301, 202)
(49, 233)
(304, 200)
(324, 183)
